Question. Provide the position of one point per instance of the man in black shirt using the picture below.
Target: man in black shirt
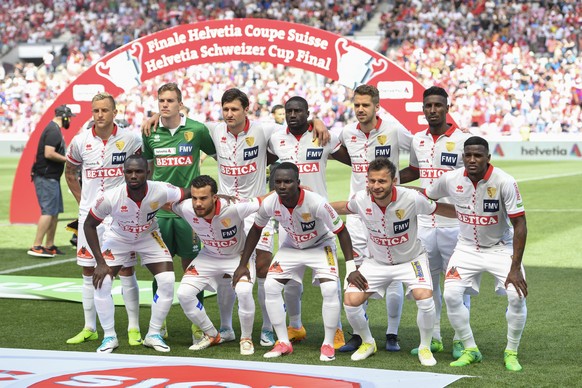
(46, 175)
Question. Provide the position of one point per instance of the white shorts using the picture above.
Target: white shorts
(360, 238)
(267, 240)
(289, 263)
(150, 247)
(439, 244)
(467, 264)
(414, 274)
(205, 271)
(85, 256)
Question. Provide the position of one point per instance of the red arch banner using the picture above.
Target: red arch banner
(247, 40)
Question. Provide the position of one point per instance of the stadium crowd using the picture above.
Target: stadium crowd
(510, 67)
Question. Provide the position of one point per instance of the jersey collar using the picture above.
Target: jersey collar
(392, 199)
(309, 129)
(301, 197)
(182, 121)
(487, 174)
(112, 133)
(448, 133)
(378, 123)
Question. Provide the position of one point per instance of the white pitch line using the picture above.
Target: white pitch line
(47, 264)
(539, 178)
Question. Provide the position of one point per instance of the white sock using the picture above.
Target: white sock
(225, 298)
(425, 318)
(261, 297)
(340, 300)
(437, 296)
(330, 310)
(394, 302)
(246, 308)
(516, 316)
(293, 292)
(359, 322)
(162, 300)
(276, 308)
(88, 299)
(459, 315)
(105, 308)
(130, 293)
(194, 310)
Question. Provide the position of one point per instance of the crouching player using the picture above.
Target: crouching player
(220, 226)
(134, 230)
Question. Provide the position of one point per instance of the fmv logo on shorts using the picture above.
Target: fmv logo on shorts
(383, 152)
(118, 158)
(251, 153)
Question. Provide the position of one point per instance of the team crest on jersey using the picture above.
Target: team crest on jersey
(225, 222)
(491, 191)
(306, 216)
(315, 142)
(155, 205)
(382, 139)
(120, 144)
(450, 145)
(188, 136)
(250, 140)
(399, 213)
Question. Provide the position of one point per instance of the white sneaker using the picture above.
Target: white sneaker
(246, 347)
(108, 345)
(425, 357)
(226, 335)
(156, 342)
(364, 351)
(267, 338)
(205, 342)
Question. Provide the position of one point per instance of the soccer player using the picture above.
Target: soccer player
(369, 138)
(435, 151)
(99, 154)
(492, 239)
(278, 113)
(134, 230)
(310, 223)
(389, 213)
(220, 226)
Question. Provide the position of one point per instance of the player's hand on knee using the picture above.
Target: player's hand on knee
(358, 280)
(515, 277)
(101, 270)
(239, 273)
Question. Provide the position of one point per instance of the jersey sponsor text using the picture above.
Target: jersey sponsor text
(473, 219)
(112, 172)
(172, 161)
(307, 168)
(389, 241)
(238, 170)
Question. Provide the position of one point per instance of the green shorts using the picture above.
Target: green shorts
(179, 237)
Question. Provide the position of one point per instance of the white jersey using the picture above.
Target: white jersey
(131, 220)
(393, 230)
(311, 223)
(483, 211)
(242, 158)
(307, 154)
(432, 159)
(101, 162)
(223, 235)
(383, 141)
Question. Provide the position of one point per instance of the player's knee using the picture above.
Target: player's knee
(126, 271)
(329, 289)
(273, 288)
(453, 296)
(105, 290)
(187, 295)
(514, 301)
(263, 261)
(243, 289)
(166, 281)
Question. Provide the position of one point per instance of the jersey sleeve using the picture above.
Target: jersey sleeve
(270, 128)
(74, 152)
(177, 207)
(404, 138)
(136, 144)
(352, 204)
(334, 143)
(173, 193)
(147, 151)
(246, 207)
(423, 204)
(102, 207)
(206, 143)
(265, 211)
(413, 161)
(512, 199)
(329, 217)
(439, 188)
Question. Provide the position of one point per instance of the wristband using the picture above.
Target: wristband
(350, 266)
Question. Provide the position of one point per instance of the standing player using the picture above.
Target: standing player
(389, 213)
(491, 239)
(99, 154)
(366, 140)
(434, 152)
(134, 230)
(297, 145)
(310, 223)
(173, 154)
(220, 225)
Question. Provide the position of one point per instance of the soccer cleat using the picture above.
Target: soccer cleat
(457, 349)
(469, 356)
(55, 250)
(84, 336)
(338, 339)
(267, 338)
(205, 342)
(246, 347)
(511, 361)
(364, 351)
(327, 353)
(226, 335)
(156, 342)
(436, 346)
(197, 333)
(392, 343)
(296, 335)
(426, 358)
(280, 349)
(108, 345)
(352, 345)
(134, 337)
(39, 251)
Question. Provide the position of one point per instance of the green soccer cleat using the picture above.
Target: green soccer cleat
(436, 346)
(457, 349)
(469, 356)
(134, 337)
(511, 362)
(84, 336)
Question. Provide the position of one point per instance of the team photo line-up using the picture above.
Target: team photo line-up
(143, 197)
